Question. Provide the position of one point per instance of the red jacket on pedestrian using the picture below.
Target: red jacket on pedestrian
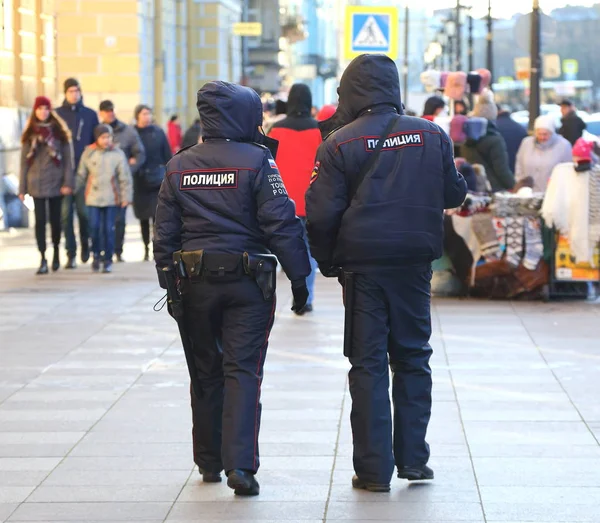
(174, 135)
(299, 138)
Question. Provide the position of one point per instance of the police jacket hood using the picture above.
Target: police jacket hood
(224, 112)
(369, 80)
(299, 101)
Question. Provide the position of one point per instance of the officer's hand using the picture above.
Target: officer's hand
(329, 271)
(300, 293)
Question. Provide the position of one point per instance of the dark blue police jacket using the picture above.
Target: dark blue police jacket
(226, 195)
(395, 217)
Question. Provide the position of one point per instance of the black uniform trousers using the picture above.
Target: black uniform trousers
(228, 326)
(391, 324)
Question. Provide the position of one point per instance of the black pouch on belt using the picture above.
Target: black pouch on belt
(263, 268)
(222, 268)
(192, 263)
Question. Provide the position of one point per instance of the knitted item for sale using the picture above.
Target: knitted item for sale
(475, 204)
(430, 80)
(534, 246)
(594, 220)
(486, 78)
(443, 79)
(457, 129)
(514, 240)
(456, 85)
(500, 228)
(484, 230)
(507, 204)
(475, 128)
(474, 81)
(483, 184)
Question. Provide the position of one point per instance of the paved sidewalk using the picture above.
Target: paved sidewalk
(94, 411)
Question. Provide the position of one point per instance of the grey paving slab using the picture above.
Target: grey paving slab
(96, 493)
(235, 510)
(65, 477)
(546, 472)
(542, 495)
(405, 511)
(89, 511)
(6, 509)
(14, 494)
(536, 512)
(196, 491)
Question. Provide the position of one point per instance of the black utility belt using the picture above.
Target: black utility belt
(222, 268)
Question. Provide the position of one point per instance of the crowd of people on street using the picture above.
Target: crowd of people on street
(76, 162)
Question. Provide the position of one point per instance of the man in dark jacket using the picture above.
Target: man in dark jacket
(128, 140)
(81, 121)
(299, 138)
(192, 135)
(513, 134)
(490, 150)
(381, 220)
(221, 199)
(572, 125)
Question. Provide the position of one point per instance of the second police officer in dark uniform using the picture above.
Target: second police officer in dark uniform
(222, 210)
(375, 209)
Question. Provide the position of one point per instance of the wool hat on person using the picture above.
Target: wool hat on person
(485, 107)
(106, 105)
(138, 109)
(486, 78)
(101, 129)
(456, 85)
(41, 101)
(545, 122)
(583, 149)
(430, 80)
(326, 112)
(474, 81)
(71, 82)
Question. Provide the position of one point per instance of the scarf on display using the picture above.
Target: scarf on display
(43, 134)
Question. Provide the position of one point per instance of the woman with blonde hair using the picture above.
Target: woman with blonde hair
(46, 173)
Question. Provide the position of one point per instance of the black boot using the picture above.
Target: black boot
(210, 477)
(147, 253)
(85, 253)
(55, 261)
(96, 264)
(243, 483)
(371, 487)
(416, 473)
(43, 266)
(70, 262)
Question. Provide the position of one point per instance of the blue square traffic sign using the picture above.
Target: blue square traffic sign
(370, 32)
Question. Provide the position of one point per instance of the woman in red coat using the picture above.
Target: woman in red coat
(174, 134)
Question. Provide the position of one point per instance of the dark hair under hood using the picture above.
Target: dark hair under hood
(369, 80)
(299, 100)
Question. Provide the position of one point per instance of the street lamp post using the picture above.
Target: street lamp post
(458, 36)
(470, 40)
(406, 41)
(490, 42)
(536, 64)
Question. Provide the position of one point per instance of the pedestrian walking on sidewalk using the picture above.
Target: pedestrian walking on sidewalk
(46, 174)
(375, 211)
(299, 138)
(148, 178)
(174, 134)
(130, 143)
(105, 174)
(81, 121)
(222, 210)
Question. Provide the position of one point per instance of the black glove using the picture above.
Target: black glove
(329, 271)
(300, 293)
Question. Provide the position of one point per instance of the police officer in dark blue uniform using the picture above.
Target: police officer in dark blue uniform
(375, 209)
(222, 210)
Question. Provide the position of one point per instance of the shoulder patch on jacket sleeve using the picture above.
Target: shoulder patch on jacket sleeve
(315, 172)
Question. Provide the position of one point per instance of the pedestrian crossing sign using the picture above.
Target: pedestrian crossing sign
(371, 30)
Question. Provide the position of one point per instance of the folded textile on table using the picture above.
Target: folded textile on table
(507, 204)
